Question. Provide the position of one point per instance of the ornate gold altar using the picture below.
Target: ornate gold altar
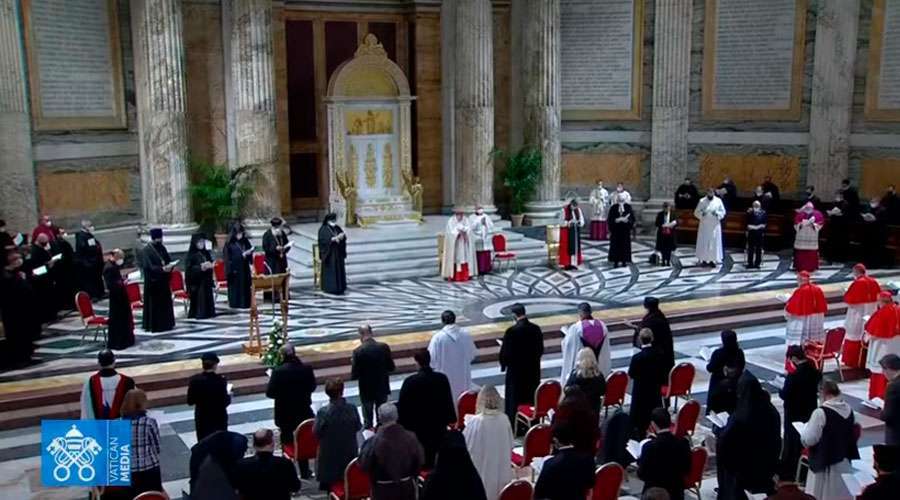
(369, 141)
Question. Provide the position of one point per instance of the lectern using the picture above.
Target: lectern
(278, 285)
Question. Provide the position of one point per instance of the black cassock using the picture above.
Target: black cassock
(200, 285)
(520, 358)
(874, 238)
(657, 322)
(158, 313)
(686, 197)
(63, 273)
(46, 295)
(237, 272)
(620, 233)
(277, 261)
(648, 376)
(121, 322)
(21, 323)
(88, 264)
(837, 245)
(208, 394)
(426, 408)
(332, 254)
(665, 236)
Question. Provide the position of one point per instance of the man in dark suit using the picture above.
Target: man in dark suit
(800, 395)
(890, 364)
(568, 474)
(209, 395)
(426, 406)
(291, 386)
(265, 476)
(371, 365)
(666, 459)
(648, 374)
(520, 358)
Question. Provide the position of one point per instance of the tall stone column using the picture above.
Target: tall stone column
(832, 93)
(253, 81)
(18, 193)
(671, 93)
(474, 105)
(159, 78)
(540, 91)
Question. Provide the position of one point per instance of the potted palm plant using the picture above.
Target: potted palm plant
(521, 176)
(219, 195)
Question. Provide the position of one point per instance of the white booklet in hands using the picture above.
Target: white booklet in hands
(229, 388)
(874, 403)
(706, 353)
(56, 257)
(133, 276)
(778, 381)
(799, 426)
(782, 297)
(856, 482)
(718, 419)
(39, 271)
(289, 245)
(634, 448)
(171, 265)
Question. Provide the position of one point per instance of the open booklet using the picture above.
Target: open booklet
(634, 448)
(874, 403)
(39, 271)
(133, 276)
(706, 353)
(782, 297)
(171, 265)
(857, 481)
(718, 419)
(778, 382)
(56, 257)
(799, 426)
(289, 245)
(756, 496)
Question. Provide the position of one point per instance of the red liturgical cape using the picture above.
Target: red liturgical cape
(806, 300)
(885, 323)
(863, 290)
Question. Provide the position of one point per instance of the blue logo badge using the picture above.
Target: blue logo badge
(86, 452)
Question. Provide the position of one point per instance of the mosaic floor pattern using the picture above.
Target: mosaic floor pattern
(405, 305)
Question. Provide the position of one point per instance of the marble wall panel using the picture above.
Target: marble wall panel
(580, 170)
(204, 67)
(876, 174)
(106, 190)
(749, 170)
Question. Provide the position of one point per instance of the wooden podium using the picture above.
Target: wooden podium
(278, 285)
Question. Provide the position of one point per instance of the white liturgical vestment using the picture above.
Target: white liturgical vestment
(482, 228)
(459, 247)
(709, 234)
(452, 352)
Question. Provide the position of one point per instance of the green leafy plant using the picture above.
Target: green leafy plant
(273, 356)
(219, 194)
(521, 175)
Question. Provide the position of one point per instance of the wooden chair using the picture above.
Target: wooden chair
(305, 445)
(465, 405)
(694, 477)
(686, 419)
(681, 377)
(546, 398)
(355, 486)
(501, 254)
(553, 245)
(133, 290)
(607, 482)
(616, 386)
(179, 294)
(820, 352)
(517, 490)
(91, 321)
(221, 279)
(538, 443)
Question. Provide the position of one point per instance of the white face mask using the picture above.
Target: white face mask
(201, 245)
(479, 211)
(332, 223)
(119, 262)
(48, 223)
(239, 236)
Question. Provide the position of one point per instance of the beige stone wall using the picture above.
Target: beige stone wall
(204, 60)
(584, 169)
(428, 107)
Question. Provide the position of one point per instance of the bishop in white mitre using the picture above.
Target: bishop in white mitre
(710, 212)
(458, 262)
(452, 352)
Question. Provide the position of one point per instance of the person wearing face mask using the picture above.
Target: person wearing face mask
(121, 322)
(891, 203)
(276, 245)
(621, 195)
(837, 245)
(199, 278)
(600, 202)
(621, 218)
(686, 196)
(665, 234)
(333, 253)
(570, 236)
(756, 230)
(759, 195)
(21, 324)
(482, 229)
(39, 268)
(770, 190)
(238, 256)
(807, 223)
(873, 233)
(727, 191)
(88, 261)
(710, 212)
(810, 197)
(45, 226)
(458, 261)
(156, 267)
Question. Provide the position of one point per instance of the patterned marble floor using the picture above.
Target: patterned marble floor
(405, 305)
(19, 449)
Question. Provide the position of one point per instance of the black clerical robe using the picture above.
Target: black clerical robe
(648, 376)
(237, 272)
(620, 233)
(665, 236)
(837, 245)
(657, 322)
(567, 475)
(664, 462)
(291, 386)
(208, 394)
(332, 254)
(21, 323)
(426, 408)
(200, 283)
(159, 316)
(39, 270)
(121, 321)
(520, 358)
(686, 197)
(874, 238)
(63, 273)
(755, 237)
(89, 264)
(771, 188)
(275, 259)
(800, 394)
(730, 196)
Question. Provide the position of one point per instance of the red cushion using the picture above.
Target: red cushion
(526, 410)
(516, 459)
(337, 489)
(137, 305)
(288, 450)
(664, 390)
(97, 321)
(504, 255)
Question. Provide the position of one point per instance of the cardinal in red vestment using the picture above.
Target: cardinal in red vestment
(862, 299)
(805, 315)
(883, 336)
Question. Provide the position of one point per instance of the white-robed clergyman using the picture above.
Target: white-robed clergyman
(710, 212)
(483, 228)
(452, 352)
(458, 262)
(600, 203)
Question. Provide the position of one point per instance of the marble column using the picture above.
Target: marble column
(18, 192)
(448, 102)
(253, 81)
(541, 112)
(671, 96)
(474, 105)
(162, 130)
(837, 24)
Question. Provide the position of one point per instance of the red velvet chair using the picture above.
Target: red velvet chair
(133, 290)
(538, 443)
(221, 279)
(91, 321)
(694, 477)
(501, 254)
(686, 419)
(465, 405)
(681, 377)
(356, 484)
(152, 495)
(820, 352)
(517, 490)
(607, 482)
(305, 445)
(616, 385)
(546, 398)
(176, 284)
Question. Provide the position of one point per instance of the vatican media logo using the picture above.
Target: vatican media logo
(86, 452)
